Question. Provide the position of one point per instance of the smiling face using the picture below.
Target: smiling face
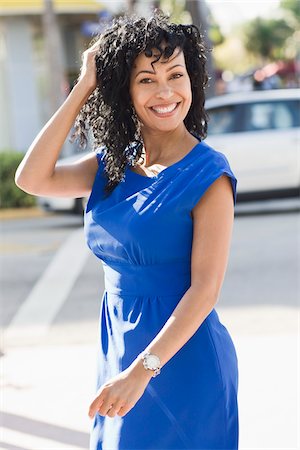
(161, 94)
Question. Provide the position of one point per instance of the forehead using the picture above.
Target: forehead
(143, 61)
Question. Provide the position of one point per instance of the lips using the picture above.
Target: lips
(163, 110)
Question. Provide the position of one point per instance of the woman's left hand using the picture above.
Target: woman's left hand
(119, 394)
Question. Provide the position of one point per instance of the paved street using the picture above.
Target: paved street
(50, 290)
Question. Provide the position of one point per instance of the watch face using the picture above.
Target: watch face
(152, 362)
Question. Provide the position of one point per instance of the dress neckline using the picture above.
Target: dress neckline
(168, 169)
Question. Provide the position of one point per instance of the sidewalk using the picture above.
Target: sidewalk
(45, 399)
(23, 213)
(47, 388)
(267, 344)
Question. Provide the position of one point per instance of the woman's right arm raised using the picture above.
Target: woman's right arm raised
(38, 173)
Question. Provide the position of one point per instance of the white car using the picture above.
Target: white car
(259, 132)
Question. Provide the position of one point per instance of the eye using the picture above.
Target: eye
(177, 75)
(149, 80)
(145, 80)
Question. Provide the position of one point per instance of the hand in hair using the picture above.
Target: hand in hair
(88, 73)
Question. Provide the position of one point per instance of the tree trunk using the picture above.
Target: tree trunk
(131, 6)
(199, 13)
(54, 55)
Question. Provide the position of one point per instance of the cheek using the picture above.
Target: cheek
(139, 98)
(187, 89)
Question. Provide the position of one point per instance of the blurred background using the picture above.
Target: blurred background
(50, 283)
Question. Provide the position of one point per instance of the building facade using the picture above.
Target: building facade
(24, 73)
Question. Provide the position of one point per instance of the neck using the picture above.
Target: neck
(162, 147)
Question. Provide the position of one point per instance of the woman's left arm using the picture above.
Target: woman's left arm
(213, 218)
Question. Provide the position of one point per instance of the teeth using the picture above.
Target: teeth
(165, 109)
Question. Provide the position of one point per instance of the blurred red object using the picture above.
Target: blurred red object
(281, 68)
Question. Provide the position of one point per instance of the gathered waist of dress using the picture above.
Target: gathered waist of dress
(170, 278)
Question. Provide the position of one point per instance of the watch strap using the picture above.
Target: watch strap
(155, 371)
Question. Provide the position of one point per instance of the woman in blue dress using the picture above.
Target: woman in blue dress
(159, 216)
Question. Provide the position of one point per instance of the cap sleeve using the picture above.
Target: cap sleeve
(214, 166)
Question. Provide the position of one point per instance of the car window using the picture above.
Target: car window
(271, 115)
(221, 120)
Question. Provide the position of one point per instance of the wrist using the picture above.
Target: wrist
(139, 370)
(151, 362)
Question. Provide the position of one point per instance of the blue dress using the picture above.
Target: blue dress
(142, 233)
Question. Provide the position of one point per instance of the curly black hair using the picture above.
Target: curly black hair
(109, 112)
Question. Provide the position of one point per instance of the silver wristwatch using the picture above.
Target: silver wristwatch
(151, 362)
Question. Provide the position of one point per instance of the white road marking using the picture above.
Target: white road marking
(35, 315)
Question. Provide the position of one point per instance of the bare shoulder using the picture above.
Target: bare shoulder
(218, 196)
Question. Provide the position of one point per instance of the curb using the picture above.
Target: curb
(23, 213)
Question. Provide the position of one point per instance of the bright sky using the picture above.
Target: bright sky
(231, 12)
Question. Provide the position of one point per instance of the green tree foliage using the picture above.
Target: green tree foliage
(267, 37)
(215, 33)
(179, 14)
(10, 195)
(176, 9)
(292, 8)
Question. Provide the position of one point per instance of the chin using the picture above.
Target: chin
(165, 127)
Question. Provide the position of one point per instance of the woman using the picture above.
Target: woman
(160, 217)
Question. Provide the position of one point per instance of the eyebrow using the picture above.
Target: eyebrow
(153, 73)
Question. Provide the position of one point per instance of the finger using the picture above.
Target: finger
(95, 405)
(95, 45)
(111, 412)
(104, 408)
(89, 56)
(92, 51)
(115, 408)
(125, 409)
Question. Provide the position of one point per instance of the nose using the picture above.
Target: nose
(164, 91)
